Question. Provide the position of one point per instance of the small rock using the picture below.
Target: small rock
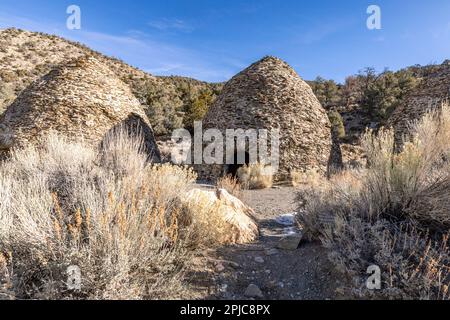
(287, 219)
(272, 284)
(289, 231)
(220, 267)
(259, 260)
(271, 252)
(290, 242)
(253, 291)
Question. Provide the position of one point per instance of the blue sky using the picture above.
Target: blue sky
(212, 40)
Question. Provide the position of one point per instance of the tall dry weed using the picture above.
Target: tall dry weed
(112, 214)
(394, 215)
(256, 176)
(231, 185)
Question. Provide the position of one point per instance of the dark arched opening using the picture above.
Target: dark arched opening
(134, 126)
(233, 168)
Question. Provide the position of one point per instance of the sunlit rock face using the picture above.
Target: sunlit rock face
(82, 100)
(271, 95)
(432, 91)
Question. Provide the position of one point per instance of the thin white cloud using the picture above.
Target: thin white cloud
(164, 69)
(318, 33)
(170, 24)
(154, 56)
(139, 49)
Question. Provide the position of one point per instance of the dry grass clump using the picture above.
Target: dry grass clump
(308, 178)
(231, 184)
(209, 227)
(113, 215)
(256, 176)
(219, 218)
(395, 215)
(326, 199)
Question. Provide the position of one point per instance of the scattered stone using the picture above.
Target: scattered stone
(253, 291)
(259, 260)
(220, 267)
(223, 288)
(287, 219)
(271, 252)
(290, 242)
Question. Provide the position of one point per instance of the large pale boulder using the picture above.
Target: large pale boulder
(240, 226)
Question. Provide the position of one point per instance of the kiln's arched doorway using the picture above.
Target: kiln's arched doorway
(233, 168)
(134, 126)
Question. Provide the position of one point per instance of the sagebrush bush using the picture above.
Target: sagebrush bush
(337, 124)
(209, 227)
(219, 219)
(111, 213)
(307, 178)
(231, 184)
(394, 215)
(256, 176)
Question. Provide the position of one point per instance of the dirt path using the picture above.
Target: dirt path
(299, 274)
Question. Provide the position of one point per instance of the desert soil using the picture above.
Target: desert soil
(302, 274)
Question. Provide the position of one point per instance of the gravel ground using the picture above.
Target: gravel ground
(302, 274)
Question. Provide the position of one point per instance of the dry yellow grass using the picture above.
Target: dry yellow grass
(395, 214)
(231, 184)
(309, 178)
(219, 218)
(256, 176)
(114, 215)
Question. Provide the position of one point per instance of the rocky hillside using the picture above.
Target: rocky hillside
(371, 100)
(432, 91)
(168, 101)
(366, 99)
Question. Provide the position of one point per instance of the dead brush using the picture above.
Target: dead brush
(310, 178)
(231, 185)
(395, 214)
(256, 176)
(208, 226)
(123, 228)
